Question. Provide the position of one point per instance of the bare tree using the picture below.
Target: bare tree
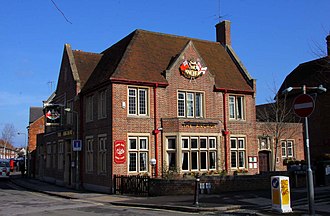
(7, 135)
(277, 118)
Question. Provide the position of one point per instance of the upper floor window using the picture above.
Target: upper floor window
(236, 107)
(69, 115)
(190, 104)
(102, 105)
(137, 101)
(89, 108)
(287, 148)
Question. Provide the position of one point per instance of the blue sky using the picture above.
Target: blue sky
(271, 38)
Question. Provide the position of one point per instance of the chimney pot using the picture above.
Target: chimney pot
(223, 33)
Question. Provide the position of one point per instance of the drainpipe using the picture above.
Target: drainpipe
(156, 131)
(225, 131)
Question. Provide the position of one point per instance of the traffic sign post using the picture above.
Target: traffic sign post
(303, 105)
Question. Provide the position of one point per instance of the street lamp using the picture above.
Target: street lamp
(77, 135)
(26, 149)
(309, 172)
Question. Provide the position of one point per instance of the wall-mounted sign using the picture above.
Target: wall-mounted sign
(253, 162)
(120, 152)
(52, 114)
(192, 69)
(199, 124)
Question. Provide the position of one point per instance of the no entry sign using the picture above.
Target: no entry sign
(303, 105)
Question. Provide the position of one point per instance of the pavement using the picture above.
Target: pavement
(242, 203)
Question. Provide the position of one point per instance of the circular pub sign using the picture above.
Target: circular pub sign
(303, 105)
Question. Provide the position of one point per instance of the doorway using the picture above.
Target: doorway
(264, 164)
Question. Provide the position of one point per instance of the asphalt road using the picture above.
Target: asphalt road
(18, 201)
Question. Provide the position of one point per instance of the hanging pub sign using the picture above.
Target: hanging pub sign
(120, 152)
(53, 114)
(192, 69)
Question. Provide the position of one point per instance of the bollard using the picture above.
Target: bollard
(281, 194)
(196, 197)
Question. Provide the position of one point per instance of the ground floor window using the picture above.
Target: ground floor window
(102, 154)
(138, 156)
(237, 153)
(198, 153)
(287, 148)
(49, 154)
(89, 154)
(60, 151)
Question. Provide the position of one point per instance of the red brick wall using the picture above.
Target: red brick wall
(37, 127)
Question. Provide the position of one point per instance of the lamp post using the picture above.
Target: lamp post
(26, 150)
(309, 172)
(77, 138)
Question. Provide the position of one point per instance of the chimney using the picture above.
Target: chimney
(328, 44)
(223, 32)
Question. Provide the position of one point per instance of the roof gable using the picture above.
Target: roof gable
(189, 55)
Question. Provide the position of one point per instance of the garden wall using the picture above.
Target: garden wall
(186, 186)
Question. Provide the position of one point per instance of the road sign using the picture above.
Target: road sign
(76, 145)
(303, 105)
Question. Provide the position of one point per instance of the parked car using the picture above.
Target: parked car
(4, 168)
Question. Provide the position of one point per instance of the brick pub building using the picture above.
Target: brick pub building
(151, 103)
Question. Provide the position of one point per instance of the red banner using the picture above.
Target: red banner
(120, 151)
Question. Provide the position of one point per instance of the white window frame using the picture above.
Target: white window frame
(138, 103)
(188, 106)
(138, 151)
(236, 106)
(237, 149)
(286, 149)
(171, 151)
(194, 153)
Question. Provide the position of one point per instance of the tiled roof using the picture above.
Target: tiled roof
(312, 73)
(35, 113)
(86, 63)
(143, 56)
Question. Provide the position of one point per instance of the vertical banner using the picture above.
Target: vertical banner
(53, 114)
(120, 152)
